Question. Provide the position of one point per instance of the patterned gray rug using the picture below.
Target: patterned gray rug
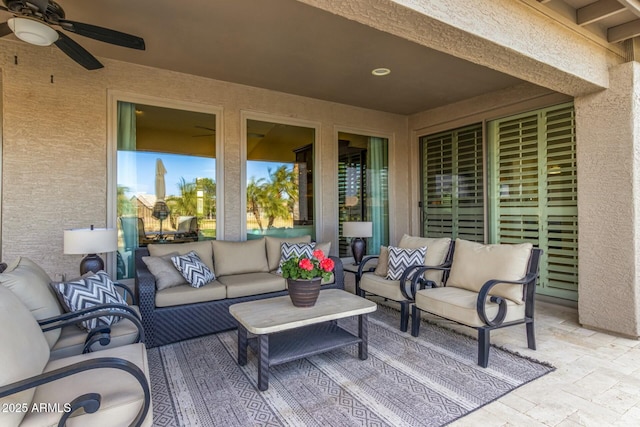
(427, 381)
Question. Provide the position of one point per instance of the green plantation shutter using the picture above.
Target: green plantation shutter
(452, 184)
(533, 189)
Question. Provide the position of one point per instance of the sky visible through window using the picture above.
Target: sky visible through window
(137, 170)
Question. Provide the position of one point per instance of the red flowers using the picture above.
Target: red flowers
(327, 264)
(305, 264)
(308, 268)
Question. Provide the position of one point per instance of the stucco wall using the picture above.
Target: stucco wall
(608, 143)
(54, 154)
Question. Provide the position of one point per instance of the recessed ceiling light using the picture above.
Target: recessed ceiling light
(380, 71)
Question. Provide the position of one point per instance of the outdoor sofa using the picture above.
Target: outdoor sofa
(244, 271)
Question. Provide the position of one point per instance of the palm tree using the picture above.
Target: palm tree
(125, 207)
(186, 203)
(256, 199)
(208, 187)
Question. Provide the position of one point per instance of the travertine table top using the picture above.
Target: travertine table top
(271, 315)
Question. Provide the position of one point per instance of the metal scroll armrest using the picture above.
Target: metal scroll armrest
(419, 281)
(528, 280)
(127, 292)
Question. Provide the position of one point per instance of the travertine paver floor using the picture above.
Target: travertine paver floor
(596, 383)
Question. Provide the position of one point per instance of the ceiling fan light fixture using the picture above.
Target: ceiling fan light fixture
(33, 32)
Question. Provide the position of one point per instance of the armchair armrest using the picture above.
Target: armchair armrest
(419, 279)
(338, 271)
(364, 262)
(502, 304)
(127, 293)
(89, 402)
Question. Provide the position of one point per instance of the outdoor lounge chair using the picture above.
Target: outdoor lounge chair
(187, 230)
(376, 281)
(488, 287)
(109, 387)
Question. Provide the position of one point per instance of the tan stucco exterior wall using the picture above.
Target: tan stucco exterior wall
(54, 146)
(608, 143)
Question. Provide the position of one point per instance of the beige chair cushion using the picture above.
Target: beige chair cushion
(325, 247)
(187, 294)
(273, 248)
(122, 395)
(203, 249)
(30, 283)
(377, 285)
(239, 257)
(460, 305)
(382, 269)
(437, 249)
(165, 273)
(24, 352)
(71, 341)
(241, 285)
(475, 263)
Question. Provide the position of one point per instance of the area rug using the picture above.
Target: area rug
(431, 380)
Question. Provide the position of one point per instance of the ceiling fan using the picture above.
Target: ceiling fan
(32, 23)
(211, 130)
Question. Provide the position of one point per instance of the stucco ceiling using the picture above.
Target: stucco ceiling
(291, 47)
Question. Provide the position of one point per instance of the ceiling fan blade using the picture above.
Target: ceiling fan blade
(103, 34)
(77, 52)
(4, 29)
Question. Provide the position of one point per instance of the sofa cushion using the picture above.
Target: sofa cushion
(88, 292)
(241, 285)
(383, 262)
(475, 263)
(193, 269)
(121, 394)
(186, 294)
(325, 247)
(240, 257)
(380, 286)
(402, 258)
(437, 249)
(274, 247)
(460, 305)
(294, 250)
(30, 284)
(203, 249)
(71, 341)
(165, 273)
(23, 354)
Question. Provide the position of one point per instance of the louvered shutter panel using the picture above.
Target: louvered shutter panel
(452, 184)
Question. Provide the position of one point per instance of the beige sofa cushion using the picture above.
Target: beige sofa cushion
(241, 285)
(437, 249)
(203, 249)
(239, 257)
(165, 273)
(24, 352)
(273, 248)
(382, 269)
(121, 393)
(380, 286)
(325, 247)
(460, 305)
(71, 341)
(30, 284)
(187, 294)
(475, 263)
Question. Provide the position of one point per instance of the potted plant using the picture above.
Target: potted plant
(304, 276)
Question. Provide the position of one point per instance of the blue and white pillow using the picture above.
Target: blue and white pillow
(400, 259)
(193, 269)
(294, 250)
(90, 291)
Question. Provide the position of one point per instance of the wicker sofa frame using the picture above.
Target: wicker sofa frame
(164, 325)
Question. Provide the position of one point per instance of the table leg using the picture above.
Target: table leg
(242, 345)
(263, 362)
(363, 333)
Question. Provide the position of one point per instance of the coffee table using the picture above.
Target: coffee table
(283, 332)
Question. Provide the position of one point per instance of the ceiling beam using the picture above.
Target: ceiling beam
(624, 31)
(596, 11)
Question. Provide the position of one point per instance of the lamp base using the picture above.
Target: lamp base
(91, 263)
(358, 247)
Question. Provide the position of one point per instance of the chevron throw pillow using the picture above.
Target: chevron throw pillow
(294, 250)
(90, 291)
(193, 269)
(401, 258)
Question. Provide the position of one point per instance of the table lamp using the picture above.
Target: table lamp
(90, 242)
(358, 230)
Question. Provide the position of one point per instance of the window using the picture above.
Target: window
(166, 178)
(280, 179)
(363, 187)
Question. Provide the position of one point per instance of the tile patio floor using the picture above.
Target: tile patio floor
(596, 383)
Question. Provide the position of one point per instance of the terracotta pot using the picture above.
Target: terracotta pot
(304, 293)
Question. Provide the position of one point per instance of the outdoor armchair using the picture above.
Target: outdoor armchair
(109, 387)
(488, 287)
(377, 281)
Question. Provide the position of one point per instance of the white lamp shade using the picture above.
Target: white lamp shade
(90, 241)
(357, 229)
(31, 31)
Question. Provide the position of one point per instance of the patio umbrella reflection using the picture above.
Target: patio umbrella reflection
(160, 209)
